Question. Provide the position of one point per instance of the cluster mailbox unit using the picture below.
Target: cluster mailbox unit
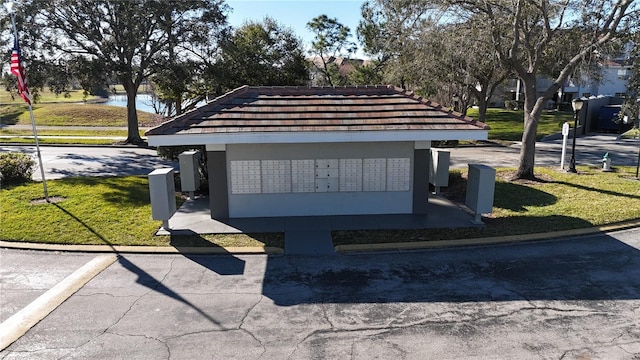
(296, 151)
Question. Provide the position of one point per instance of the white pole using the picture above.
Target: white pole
(35, 136)
(33, 122)
(565, 136)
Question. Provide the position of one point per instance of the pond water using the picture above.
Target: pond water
(144, 102)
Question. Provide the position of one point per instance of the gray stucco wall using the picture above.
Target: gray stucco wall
(320, 203)
(218, 199)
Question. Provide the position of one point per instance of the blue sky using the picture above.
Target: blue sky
(296, 13)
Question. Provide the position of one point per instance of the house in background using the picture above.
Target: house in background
(296, 151)
(614, 72)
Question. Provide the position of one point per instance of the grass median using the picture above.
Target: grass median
(116, 211)
(99, 211)
(508, 125)
(557, 201)
(65, 114)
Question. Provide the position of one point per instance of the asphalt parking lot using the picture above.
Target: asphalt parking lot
(576, 298)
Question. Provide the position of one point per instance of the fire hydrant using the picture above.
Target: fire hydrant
(606, 162)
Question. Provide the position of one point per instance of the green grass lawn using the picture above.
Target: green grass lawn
(70, 115)
(45, 96)
(508, 124)
(64, 132)
(99, 211)
(116, 211)
(562, 201)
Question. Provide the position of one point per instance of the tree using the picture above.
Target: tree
(525, 32)
(261, 54)
(438, 59)
(387, 31)
(532, 38)
(331, 41)
(452, 59)
(631, 104)
(127, 39)
(192, 50)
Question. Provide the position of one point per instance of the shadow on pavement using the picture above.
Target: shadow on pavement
(587, 269)
(125, 163)
(222, 265)
(230, 266)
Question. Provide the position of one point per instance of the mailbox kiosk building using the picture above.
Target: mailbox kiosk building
(312, 151)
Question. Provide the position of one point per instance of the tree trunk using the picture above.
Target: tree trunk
(133, 133)
(482, 107)
(178, 104)
(532, 110)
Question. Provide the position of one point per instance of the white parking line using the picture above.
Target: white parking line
(18, 324)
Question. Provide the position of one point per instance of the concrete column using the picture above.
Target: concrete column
(420, 180)
(218, 195)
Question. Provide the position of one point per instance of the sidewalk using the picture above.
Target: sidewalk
(311, 235)
(589, 151)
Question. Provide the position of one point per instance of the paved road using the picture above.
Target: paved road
(589, 151)
(565, 299)
(61, 161)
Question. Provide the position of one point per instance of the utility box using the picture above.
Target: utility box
(162, 194)
(189, 174)
(481, 186)
(439, 168)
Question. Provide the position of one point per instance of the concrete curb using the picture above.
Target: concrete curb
(18, 324)
(339, 248)
(486, 241)
(141, 249)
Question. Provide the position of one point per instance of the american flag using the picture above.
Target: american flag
(18, 70)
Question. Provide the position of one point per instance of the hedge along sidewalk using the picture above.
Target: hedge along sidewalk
(115, 211)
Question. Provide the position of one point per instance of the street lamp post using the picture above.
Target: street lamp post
(576, 104)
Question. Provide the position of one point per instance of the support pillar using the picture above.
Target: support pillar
(420, 180)
(218, 195)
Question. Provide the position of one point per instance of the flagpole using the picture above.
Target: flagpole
(33, 121)
(35, 136)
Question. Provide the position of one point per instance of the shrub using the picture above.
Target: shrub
(16, 168)
(514, 104)
(172, 152)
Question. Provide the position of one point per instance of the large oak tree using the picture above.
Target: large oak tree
(531, 38)
(128, 40)
(263, 53)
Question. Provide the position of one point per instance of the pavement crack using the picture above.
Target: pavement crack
(106, 294)
(240, 327)
(326, 315)
(159, 282)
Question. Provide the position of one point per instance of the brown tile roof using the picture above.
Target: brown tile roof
(316, 109)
